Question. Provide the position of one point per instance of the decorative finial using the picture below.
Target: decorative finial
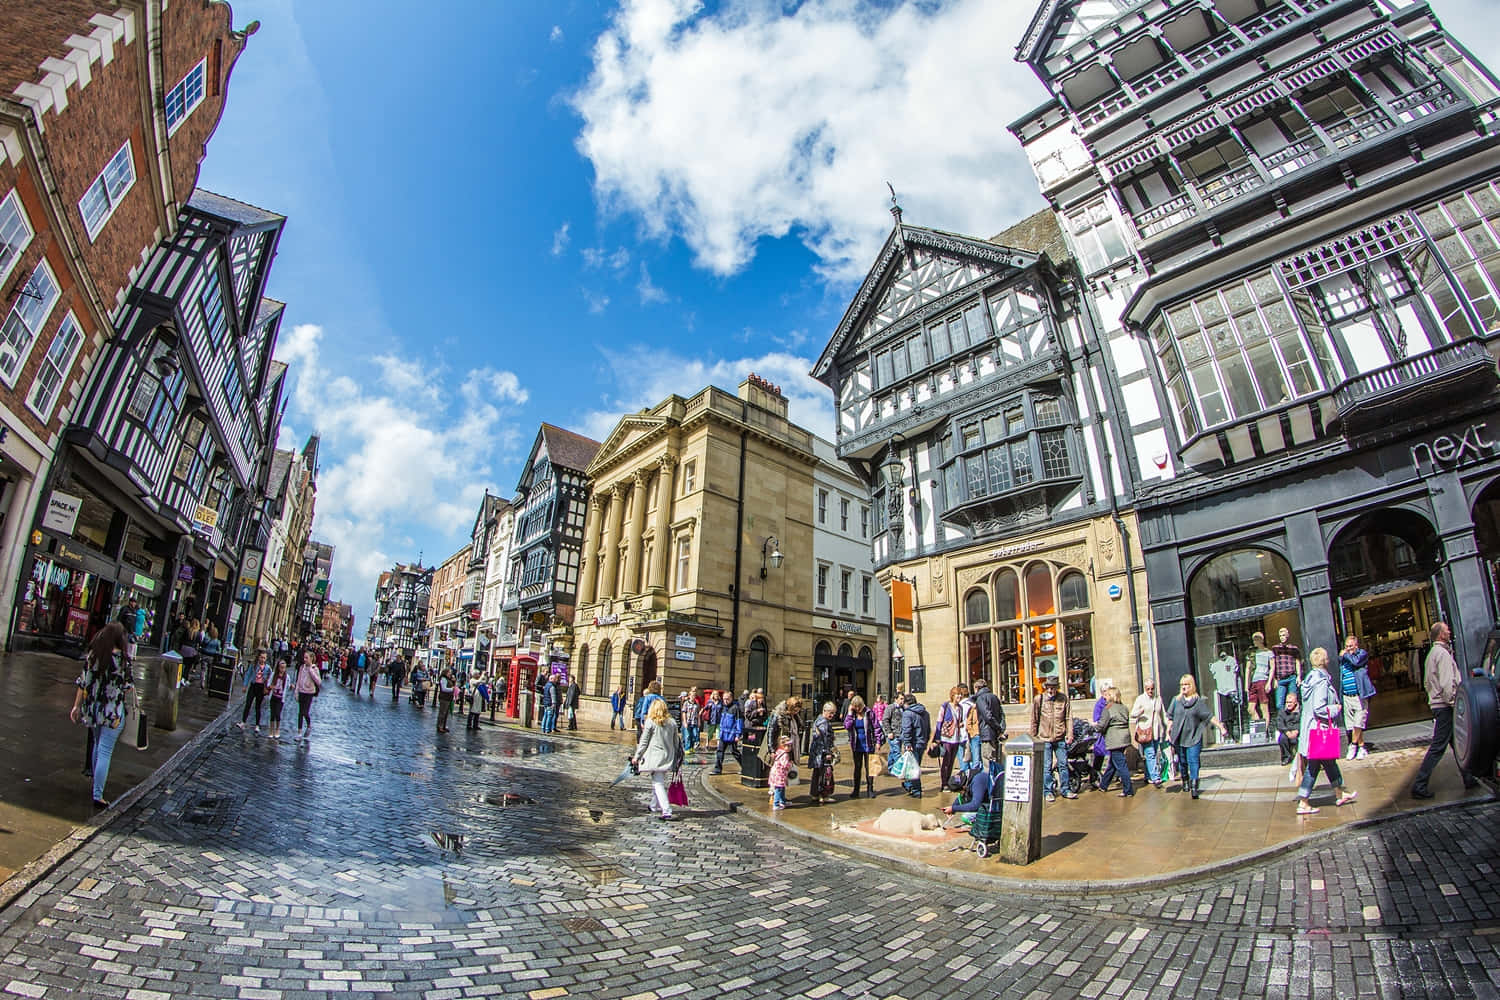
(895, 205)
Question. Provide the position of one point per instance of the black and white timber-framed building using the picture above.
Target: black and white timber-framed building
(971, 396)
(1287, 214)
(169, 448)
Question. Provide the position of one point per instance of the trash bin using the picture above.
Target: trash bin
(753, 773)
(220, 674)
(168, 678)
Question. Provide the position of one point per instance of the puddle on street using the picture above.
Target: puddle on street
(509, 799)
(448, 841)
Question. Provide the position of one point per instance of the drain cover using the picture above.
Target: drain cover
(208, 810)
(577, 924)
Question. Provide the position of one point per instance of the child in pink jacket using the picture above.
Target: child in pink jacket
(781, 769)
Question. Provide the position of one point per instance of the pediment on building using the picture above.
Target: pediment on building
(629, 434)
(918, 269)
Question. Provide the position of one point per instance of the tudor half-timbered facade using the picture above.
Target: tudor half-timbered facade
(971, 394)
(546, 553)
(1287, 214)
(169, 449)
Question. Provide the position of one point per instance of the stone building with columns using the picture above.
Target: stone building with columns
(678, 582)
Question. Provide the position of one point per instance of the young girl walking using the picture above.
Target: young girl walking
(781, 769)
(309, 683)
(276, 689)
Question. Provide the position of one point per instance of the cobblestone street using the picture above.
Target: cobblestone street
(269, 870)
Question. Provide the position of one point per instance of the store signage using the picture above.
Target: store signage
(206, 517)
(685, 640)
(1018, 777)
(66, 553)
(185, 572)
(1449, 451)
(62, 512)
(143, 582)
(613, 619)
(1020, 548)
(853, 628)
(684, 654)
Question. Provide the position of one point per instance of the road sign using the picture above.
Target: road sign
(1018, 777)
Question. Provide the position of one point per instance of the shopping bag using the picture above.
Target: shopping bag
(133, 727)
(911, 768)
(1322, 741)
(677, 791)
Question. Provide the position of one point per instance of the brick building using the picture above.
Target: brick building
(103, 124)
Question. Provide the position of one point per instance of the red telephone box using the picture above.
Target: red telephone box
(522, 674)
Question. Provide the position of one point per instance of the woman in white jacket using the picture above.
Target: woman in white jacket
(659, 753)
(1320, 704)
(1148, 727)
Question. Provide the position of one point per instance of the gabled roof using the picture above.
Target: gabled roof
(632, 425)
(901, 238)
(569, 450)
(232, 209)
(310, 454)
(281, 470)
(267, 309)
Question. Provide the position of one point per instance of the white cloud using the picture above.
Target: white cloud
(560, 240)
(556, 35)
(390, 467)
(649, 292)
(598, 301)
(601, 259)
(647, 375)
(723, 127)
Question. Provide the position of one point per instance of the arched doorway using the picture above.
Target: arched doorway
(1487, 539)
(759, 665)
(1383, 569)
(648, 667)
(1231, 597)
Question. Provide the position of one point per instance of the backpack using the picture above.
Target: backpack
(950, 723)
(971, 722)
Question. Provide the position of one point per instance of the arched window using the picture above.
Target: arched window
(581, 668)
(866, 654)
(1007, 596)
(1230, 598)
(977, 608)
(846, 651)
(760, 658)
(1072, 592)
(1039, 599)
(604, 664)
(822, 649)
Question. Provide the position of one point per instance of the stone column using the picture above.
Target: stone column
(660, 558)
(588, 579)
(637, 528)
(612, 529)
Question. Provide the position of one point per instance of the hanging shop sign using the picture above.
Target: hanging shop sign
(143, 582)
(62, 512)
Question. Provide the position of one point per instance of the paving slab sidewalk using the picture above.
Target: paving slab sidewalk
(1099, 838)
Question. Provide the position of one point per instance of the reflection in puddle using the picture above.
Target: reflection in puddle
(509, 799)
(448, 841)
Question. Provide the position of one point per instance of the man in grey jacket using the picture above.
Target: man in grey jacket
(1441, 681)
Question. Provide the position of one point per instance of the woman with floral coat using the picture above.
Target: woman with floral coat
(100, 702)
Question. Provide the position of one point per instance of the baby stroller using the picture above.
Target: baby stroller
(1081, 756)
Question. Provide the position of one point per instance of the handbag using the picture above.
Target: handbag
(1322, 741)
(1143, 733)
(677, 791)
(934, 751)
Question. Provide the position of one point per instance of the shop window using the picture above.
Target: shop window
(604, 668)
(1050, 634)
(977, 608)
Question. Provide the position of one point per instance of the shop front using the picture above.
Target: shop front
(1379, 545)
(843, 659)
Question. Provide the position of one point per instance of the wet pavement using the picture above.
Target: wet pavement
(43, 794)
(383, 858)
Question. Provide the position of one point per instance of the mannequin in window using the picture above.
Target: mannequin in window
(1260, 678)
(1225, 672)
(1286, 666)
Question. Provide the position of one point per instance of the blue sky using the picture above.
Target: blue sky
(504, 213)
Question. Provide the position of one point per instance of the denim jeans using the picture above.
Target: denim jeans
(617, 718)
(1284, 686)
(1118, 766)
(549, 720)
(778, 796)
(972, 761)
(1188, 763)
(1310, 776)
(104, 749)
(1156, 761)
(724, 746)
(692, 737)
(1056, 750)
